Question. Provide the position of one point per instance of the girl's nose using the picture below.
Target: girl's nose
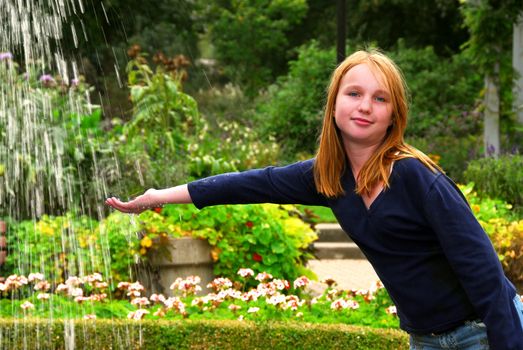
(365, 105)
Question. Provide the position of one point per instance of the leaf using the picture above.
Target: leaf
(277, 247)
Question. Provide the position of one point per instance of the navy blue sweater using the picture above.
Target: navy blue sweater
(420, 235)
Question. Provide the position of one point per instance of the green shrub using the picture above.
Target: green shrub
(164, 121)
(451, 153)
(505, 230)
(499, 178)
(507, 237)
(263, 237)
(56, 246)
(293, 108)
(444, 92)
(154, 334)
(231, 146)
(249, 38)
(69, 245)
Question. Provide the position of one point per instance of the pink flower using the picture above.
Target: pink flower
(157, 298)
(90, 317)
(124, 285)
(137, 315)
(140, 301)
(5, 56)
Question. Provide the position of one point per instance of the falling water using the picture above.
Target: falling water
(34, 177)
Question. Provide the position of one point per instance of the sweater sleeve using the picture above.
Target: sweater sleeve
(472, 256)
(291, 184)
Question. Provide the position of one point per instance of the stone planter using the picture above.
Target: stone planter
(190, 256)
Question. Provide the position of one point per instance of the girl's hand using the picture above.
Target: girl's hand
(139, 204)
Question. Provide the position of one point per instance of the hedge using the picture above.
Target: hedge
(31, 333)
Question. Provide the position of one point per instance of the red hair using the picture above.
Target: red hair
(331, 159)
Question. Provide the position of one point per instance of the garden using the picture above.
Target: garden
(110, 100)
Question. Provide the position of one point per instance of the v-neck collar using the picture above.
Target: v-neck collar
(376, 200)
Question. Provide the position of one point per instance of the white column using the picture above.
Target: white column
(491, 115)
(517, 62)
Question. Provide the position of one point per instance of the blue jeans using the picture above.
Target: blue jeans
(470, 336)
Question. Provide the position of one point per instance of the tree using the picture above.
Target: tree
(249, 37)
(490, 24)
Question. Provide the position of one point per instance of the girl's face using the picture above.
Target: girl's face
(363, 107)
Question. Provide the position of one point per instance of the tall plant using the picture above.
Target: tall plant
(249, 37)
(490, 24)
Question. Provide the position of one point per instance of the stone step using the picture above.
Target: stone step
(331, 233)
(337, 250)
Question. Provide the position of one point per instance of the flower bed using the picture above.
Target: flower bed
(271, 300)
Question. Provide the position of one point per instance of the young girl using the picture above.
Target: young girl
(410, 220)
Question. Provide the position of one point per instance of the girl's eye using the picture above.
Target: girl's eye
(380, 99)
(353, 94)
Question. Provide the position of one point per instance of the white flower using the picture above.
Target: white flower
(253, 309)
(42, 285)
(391, 310)
(301, 282)
(27, 305)
(137, 315)
(43, 296)
(234, 307)
(140, 301)
(35, 277)
(262, 276)
(276, 299)
(245, 273)
(157, 298)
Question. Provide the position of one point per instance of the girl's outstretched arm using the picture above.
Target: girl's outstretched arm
(151, 199)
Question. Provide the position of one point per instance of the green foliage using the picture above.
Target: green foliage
(263, 237)
(443, 92)
(49, 142)
(418, 23)
(293, 108)
(486, 208)
(231, 146)
(490, 24)
(316, 214)
(56, 246)
(164, 121)
(450, 152)
(505, 230)
(202, 334)
(250, 37)
(499, 178)
(70, 245)
(507, 237)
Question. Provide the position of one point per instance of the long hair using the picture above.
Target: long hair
(331, 159)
